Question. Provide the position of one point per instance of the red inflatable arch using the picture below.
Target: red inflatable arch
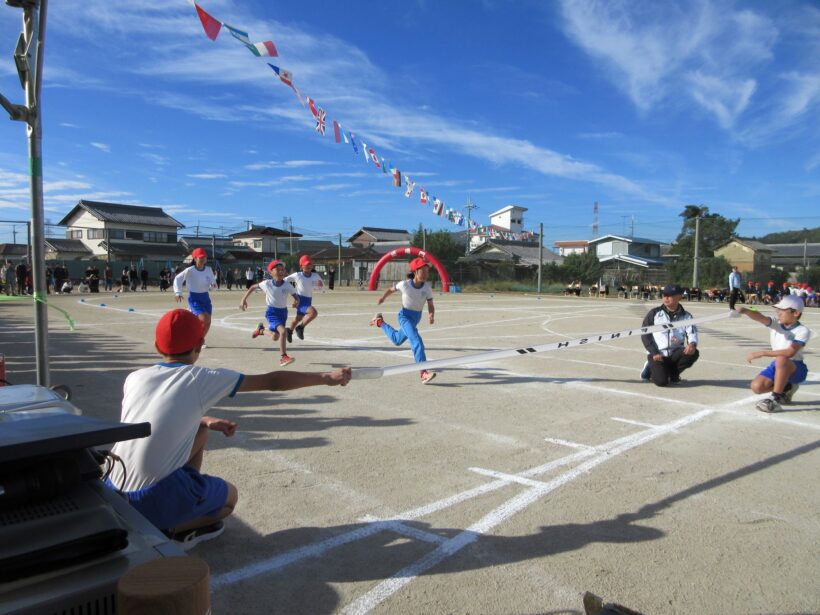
(442, 272)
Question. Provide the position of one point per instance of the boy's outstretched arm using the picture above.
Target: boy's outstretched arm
(243, 305)
(286, 381)
(754, 315)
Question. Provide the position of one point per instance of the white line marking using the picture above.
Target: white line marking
(569, 444)
(631, 422)
(388, 587)
(406, 530)
(577, 384)
(510, 478)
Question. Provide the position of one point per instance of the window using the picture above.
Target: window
(257, 244)
(116, 233)
(155, 237)
(95, 233)
(74, 234)
(134, 235)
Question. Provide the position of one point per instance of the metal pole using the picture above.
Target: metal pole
(31, 78)
(697, 247)
(339, 260)
(540, 253)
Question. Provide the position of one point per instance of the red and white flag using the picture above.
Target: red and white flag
(374, 158)
(396, 177)
(422, 196)
(312, 104)
(410, 185)
(337, 130)
(265, 48)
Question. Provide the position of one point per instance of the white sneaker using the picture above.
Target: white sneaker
(646, 372)
(770, 404)
(190, 538)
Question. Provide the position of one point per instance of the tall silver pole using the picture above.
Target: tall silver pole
(697, 249)
(540, 253)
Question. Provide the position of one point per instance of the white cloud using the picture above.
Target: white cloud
(207, 175)
(104, 147)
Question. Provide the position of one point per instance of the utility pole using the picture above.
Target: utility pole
(30, 49)
(540, 253)
(470, 206)
(697, 251)
(339, 260)
(287, 221)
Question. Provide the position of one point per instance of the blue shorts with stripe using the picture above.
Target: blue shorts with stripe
(304, 304)
(799, 375)
(276, 316)
(200, 303)
(182, 496)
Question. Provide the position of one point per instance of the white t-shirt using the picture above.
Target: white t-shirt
(305, 283)
(277, 296)
(173, 397)
(781, 337)
(413, 298)
(198, 281)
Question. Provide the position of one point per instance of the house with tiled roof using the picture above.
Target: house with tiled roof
(753, 258)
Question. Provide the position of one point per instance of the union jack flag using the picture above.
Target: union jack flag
(320, 121)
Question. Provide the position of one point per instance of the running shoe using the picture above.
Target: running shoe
(286, 360)
(789, 391)
(258, 331)
(770, 404)
(427, 376)
(290, 334)
(300, 332)
(377, 320)
(646, 372)
(188, 539)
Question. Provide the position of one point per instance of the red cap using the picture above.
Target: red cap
(418, 263)
(305, 261)
(199, 253)
(275, 263)
(178, 332)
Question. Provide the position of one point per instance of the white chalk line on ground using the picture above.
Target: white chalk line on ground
(600, 453)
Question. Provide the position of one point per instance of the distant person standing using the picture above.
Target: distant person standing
(20, 271)
(144, 279)
(108, 278)
(199, 278)
(734, 287)
(10, 278)
(248, 277)
(331, 277)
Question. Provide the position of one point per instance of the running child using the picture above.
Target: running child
(304, 281)
(788, 338)
(277, 290)
(199, 278)
(414, 292)
(160, 475)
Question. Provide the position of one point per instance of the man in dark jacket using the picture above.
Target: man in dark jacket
(672, 350)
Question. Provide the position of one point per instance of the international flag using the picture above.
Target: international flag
(384, 165)
(353, 142)
(320, 121)
(265, 48)
(209, 24)
(365, 152)
(396, 177)
(337, 131)
(422, 196)
(285, 75)
(374, 158)
(410, 185)
(238, 34)
(437, 206)
(312, 105)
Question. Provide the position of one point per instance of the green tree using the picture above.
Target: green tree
(585, 267)
(714, 230)
(440, 244)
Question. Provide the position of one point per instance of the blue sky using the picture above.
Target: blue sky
(643, 107)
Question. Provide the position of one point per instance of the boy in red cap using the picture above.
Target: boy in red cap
(160, 475)
(414, 292)
(304, 281)
(277, 290)
(199, 278)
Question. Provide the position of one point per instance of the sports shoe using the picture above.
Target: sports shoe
(377, 320)
(674, 380)
(427, 376)
(300, 332)
(286, 360)
(290, 334)
(646, 372)
(770, 404)
(789, 391)
(188, 539)
(258, 331)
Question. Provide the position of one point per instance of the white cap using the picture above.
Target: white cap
(790, 302)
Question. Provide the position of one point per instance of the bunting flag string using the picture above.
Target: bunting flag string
(267, 48)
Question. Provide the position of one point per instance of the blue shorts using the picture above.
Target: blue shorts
(797, 377)
(200, 303)
(183, 495)
(275, 317)
(304, 304)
